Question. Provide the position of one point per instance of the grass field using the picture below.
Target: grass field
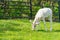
(20, 29)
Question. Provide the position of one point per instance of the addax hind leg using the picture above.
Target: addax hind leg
(50, 18)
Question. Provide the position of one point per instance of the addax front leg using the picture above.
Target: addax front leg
(51, 23)
(34, 25)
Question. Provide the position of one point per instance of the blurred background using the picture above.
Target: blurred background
(27, 8)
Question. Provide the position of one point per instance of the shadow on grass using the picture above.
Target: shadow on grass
(48, 31)
(42, 31)
(56, 30)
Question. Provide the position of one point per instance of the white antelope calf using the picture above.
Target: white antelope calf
(42, 14)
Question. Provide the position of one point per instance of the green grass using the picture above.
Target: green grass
(20, 29)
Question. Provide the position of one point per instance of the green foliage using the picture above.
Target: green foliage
(22, 8)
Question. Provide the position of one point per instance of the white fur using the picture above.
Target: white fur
(42, 14)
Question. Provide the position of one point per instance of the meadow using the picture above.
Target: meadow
(20, 29)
